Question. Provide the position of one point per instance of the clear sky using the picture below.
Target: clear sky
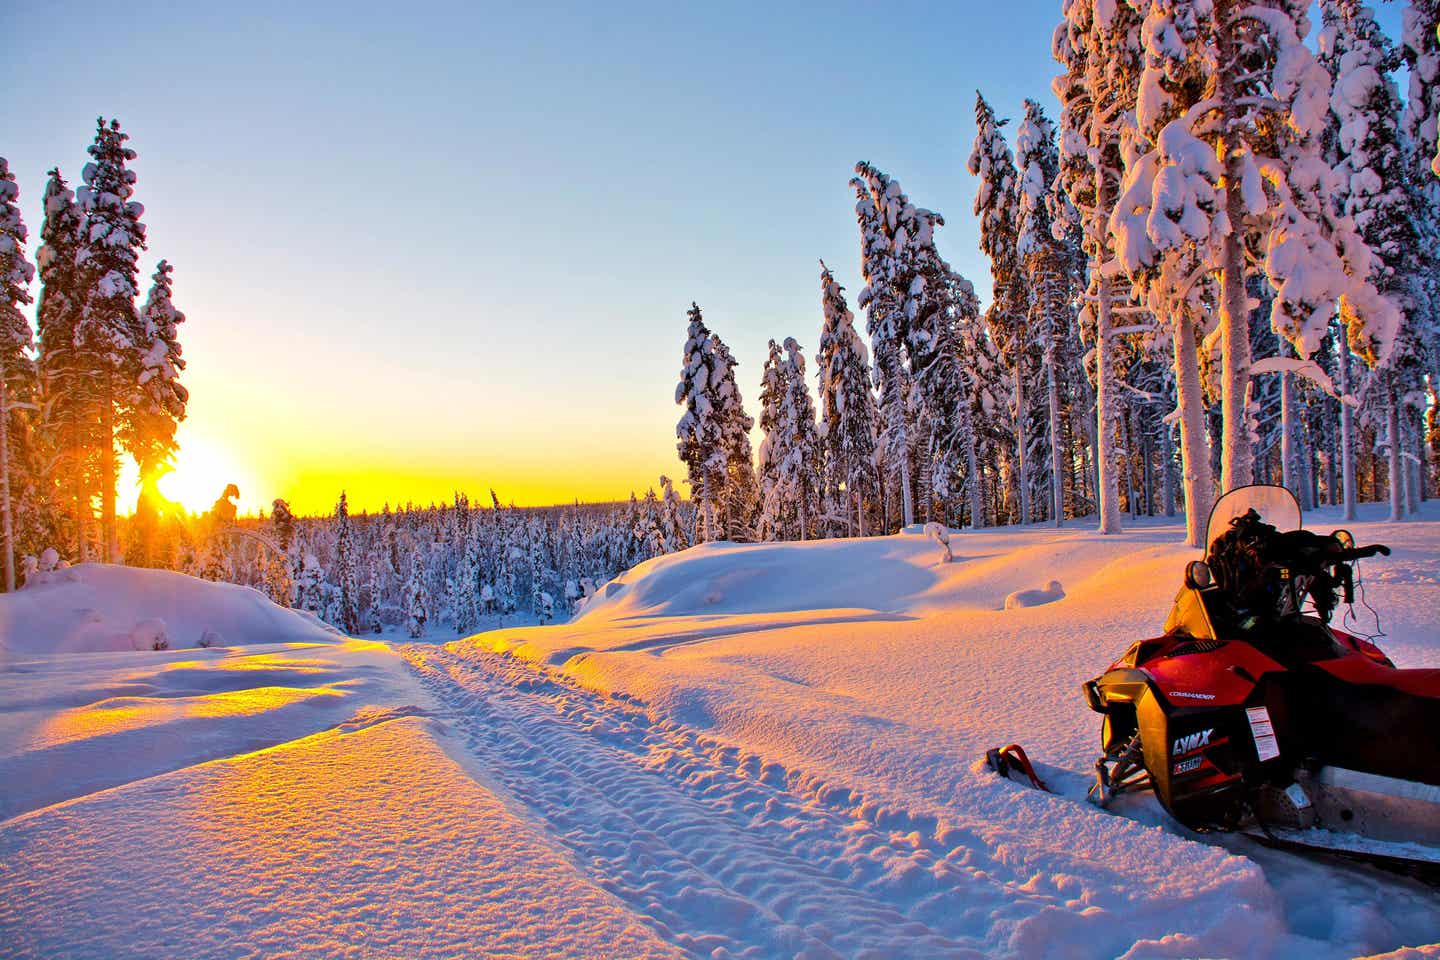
(425, 247)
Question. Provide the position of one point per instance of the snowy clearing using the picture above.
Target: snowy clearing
(736, 751)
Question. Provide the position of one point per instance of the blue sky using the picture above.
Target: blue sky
(451, 245)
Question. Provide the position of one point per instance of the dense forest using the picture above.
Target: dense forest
(1216, 265)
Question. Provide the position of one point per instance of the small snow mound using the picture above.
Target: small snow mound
(1051, 592)
(102, 607)
(149, 634)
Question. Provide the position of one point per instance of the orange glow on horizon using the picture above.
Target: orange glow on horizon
(310, 476)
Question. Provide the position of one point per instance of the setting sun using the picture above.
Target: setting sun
(202, 470)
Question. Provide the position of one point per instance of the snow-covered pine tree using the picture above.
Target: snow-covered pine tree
(702, 430)
(672, 515)
(772, 446)
(1420, 39)
(1373, 191)
(537, 579)
(347, 584)
(1420, 48)
(148, 433)
(310, 587)
(1097, 43)
(801, 467)
(1043, 263)
(847, 406)
(282, 521)
(741, 491)
(878, 203)
(963, 368)
(16, 272)
(997, 204)
(911, 295)
(66, 395)
(417, 598)
(109, 329)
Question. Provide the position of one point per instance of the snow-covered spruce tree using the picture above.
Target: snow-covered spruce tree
(310, 587)
(1235, 82)
(1372, 190)
(802, 466)
(1043, 263)
(1420, 39)
(16, 273)
(741, 490)
(537, 579)
(772, 446)
(997, 204)
(1097, 44)
(911, 294)
(1169, 247)
(159, 403)
(417, 598)
(875, 211)
(1420, 48)
(847, 406)
(347, 583)
(109, 328)
(702, 430)
(672, 515)
(66, 395)
(964, 367)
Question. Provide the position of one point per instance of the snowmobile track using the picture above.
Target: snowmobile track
(725, 855)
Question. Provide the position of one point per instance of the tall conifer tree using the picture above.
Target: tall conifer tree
(16, 273)
(109, 329)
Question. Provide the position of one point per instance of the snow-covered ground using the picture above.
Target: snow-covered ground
(738, 751)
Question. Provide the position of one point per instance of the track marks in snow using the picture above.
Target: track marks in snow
(725, 854)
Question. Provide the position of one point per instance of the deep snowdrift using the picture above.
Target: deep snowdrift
(737, 751)
(876, 672)
(94, 607)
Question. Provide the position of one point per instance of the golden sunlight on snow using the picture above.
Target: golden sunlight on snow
(118, 714)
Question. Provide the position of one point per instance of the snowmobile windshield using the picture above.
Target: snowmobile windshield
(1276, 505)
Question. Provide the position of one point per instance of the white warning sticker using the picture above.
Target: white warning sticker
(1265, 746)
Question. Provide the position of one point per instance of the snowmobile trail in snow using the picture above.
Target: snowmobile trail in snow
(729, 856)
(721, 854)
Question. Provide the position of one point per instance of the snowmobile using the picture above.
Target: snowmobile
(1252, 713)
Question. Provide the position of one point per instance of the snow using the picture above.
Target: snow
(94, 607)
(735, 751)
(1049, 593)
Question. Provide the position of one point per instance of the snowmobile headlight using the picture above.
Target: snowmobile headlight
(1198, 575)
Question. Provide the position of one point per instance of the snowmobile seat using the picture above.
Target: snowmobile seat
(1370, 717)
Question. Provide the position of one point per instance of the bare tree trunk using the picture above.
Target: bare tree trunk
(1347, 442)
(5, 482)
(1167, 471)
(977, 482)
(1021, 461)
(897, 424)
(1107, 489)
(1237, 457)
(1287, 430)
(1396, 464)
(1412, 470)
(109, 542)
(1057, 463)
(1194, 455)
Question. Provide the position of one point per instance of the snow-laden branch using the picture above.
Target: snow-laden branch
(1308, 369)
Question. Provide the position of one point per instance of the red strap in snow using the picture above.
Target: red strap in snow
(1014, 754)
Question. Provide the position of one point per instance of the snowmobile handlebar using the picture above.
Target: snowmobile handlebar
(1362, 553)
